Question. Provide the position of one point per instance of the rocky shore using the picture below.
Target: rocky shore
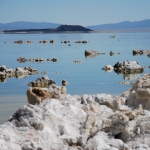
(60, 121)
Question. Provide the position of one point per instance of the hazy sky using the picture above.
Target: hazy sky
(77, 12)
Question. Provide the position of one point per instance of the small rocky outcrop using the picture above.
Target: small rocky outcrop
(140, 93)
(141, 52)
(65, 42)
(43, 41)
(51, 41)
(83, 42)
(113, 36)
(44, 88)
(108, 68)
(41, 82)
(77, 61)
(111, 53)
(91, 53)
(23, 60)
(128, 67)
(29, 42)
(18, 72)
(19, 42)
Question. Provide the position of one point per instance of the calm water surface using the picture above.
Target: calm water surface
(86, 77)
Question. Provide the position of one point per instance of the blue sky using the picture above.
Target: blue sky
(77, 12)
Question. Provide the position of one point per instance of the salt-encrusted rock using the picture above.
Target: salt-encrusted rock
(41, 82)
(108, 68)
(141, 52)
(37, 95)
(92, 122)
(103, 141)
(128, 67)
(18, 72)
(91, 53)
(140, 93)
(64, 82)
(22, 59)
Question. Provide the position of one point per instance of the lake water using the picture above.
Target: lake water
(86, 77)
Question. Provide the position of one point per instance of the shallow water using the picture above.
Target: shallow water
(86, 77)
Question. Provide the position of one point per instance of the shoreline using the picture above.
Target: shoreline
(115, 122)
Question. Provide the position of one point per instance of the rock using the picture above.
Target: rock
(113, 36)
(22, 60)
(77, 61)
(65, 42)
(18, 72)
(54, 59)
(108, 68)
(63, 90)
(19, 42)
(37, 95)
(128, 67)
(84, 42)
(64, 82)
(41, 82)
(91, 53)
(29, 42)
(51, 41)
(140, 93)
(105, 141)
(141, 52)
(111, 53)
(44, 41)
(100, 121)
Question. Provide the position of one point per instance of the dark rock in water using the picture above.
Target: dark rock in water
(19, 42)
(65, 42)
(91, 53)
(141, 52)
(84, 42)
(113, 36)
(111, 53)
(44, 41)
(51, 41)
(128, 67)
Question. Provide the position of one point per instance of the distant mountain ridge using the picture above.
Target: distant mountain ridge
(27, 25)
(22, 25)
(122, 25)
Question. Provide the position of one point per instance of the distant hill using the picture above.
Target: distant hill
(72, 28)
(27, 25)
(61, 28)
(144, 24)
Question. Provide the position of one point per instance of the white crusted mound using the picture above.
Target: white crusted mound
(90, 122)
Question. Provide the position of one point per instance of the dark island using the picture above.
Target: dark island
(61, 28)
